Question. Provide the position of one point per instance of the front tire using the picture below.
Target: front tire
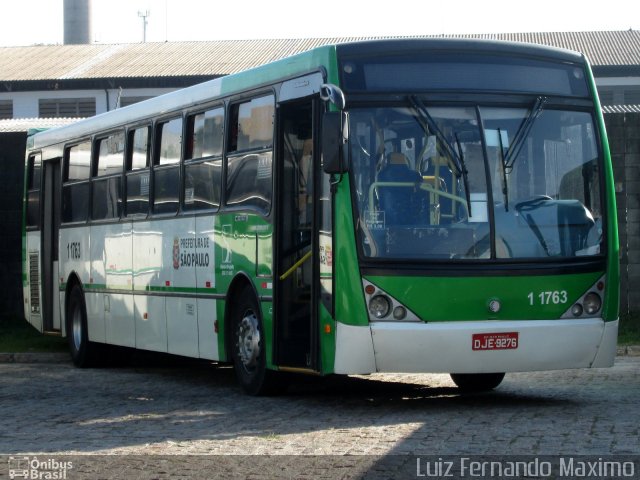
(83, 352)
(477, 382)
(249, 348)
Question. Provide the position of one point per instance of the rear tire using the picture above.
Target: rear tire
(249, 350)
(477, 382)
(83, 352)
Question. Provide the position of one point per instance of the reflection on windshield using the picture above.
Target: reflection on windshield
(440, 182)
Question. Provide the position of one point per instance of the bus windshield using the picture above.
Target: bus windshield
(475, 182)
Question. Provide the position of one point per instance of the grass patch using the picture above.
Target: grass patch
(629, 329)
(17, 336)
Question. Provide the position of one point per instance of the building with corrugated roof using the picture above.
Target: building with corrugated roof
(83, 80)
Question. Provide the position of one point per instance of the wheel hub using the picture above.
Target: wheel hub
(249, 340)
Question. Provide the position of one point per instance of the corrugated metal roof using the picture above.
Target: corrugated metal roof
(26, 124)
(611, 48)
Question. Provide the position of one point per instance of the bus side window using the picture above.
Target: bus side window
(75, 189)
(203, 160)
(250, 154)
(34, 168)
(106, 189)
(137, 164)
(166, 170)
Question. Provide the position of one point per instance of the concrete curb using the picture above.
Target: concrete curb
(629, 351)
(63, 357)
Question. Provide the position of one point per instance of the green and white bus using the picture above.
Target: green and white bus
(389, 206)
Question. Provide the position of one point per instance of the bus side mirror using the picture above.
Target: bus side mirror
(334, 137)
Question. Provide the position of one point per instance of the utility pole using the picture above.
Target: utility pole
(144, 15)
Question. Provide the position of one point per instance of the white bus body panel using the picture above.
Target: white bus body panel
(112, 267)
(182, 326)
(445, 347)
(151, 324)
(608, 347)
(206, 280)
(207, 336)
(95, 316)
(149, 311)
(32, 307)
(120, 327)
(140, 281)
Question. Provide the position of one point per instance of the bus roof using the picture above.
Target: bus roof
(385, 47)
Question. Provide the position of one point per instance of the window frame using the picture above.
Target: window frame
(97, 178)
(157, 167)
(129, 172)
(231, 152)
(196, 161)
(33, 190)
(69, 185)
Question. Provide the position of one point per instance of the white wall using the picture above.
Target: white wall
(25, 104)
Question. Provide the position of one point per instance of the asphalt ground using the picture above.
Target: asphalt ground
(161, 417)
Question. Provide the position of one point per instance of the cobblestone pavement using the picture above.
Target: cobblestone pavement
(197, 409)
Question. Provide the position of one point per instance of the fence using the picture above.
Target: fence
(623, 130)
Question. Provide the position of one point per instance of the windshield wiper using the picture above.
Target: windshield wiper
(431, 127)
(505, 186)
(522, 133)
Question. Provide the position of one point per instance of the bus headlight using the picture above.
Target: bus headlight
(379, 306)
(576, 310)
(592, 303)
(399, 313)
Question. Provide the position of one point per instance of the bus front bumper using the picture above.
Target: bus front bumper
(448, 347)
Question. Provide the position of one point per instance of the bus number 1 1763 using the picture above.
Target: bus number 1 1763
(554, 297)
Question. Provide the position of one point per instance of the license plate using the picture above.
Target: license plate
(494, 341)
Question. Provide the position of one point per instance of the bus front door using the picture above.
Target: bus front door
(296, 279)
(51, 199)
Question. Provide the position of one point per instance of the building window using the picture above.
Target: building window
(66, 107)
(6, 109)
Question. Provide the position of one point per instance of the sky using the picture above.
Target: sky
(29, 22)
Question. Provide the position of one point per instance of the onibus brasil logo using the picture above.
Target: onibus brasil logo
(35, 468)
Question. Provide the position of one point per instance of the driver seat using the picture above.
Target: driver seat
(402, 204)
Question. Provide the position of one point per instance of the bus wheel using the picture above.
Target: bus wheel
(82, 351)
(477, 382)
(249, 356)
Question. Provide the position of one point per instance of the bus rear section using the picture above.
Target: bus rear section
(478, 182)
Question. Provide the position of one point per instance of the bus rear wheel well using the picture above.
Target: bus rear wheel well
(237, 286)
